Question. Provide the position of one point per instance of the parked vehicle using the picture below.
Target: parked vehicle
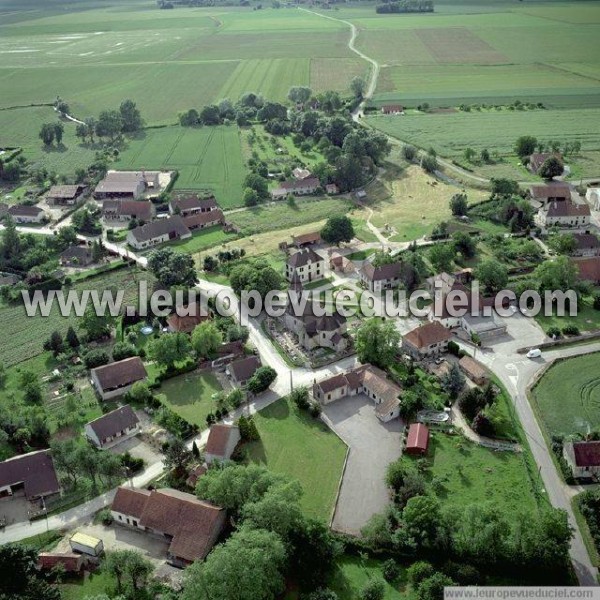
(86, 544)
(534, 353)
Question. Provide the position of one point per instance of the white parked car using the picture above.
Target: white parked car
(534, 353)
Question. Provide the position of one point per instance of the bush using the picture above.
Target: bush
(570, 330)
(553, 332)
(390, 570)
(122, 350)
(105, 517)
(299, 397)
(132, 464)
(315, 410)
(419, 571)
(374, 589)
(96, 358)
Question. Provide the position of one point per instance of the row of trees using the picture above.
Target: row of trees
(111, 123)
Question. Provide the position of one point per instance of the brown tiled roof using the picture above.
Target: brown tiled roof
(425, 335)
(24, 210)
(472, 367)
(218, 439)
(202, 218)
(113, 422)
(392, 108)
(244, 368)
(160, 227)
(333, 383)
(552, 190)
(35, 470)
(81, 253)
(301, 184)
(138, 209)
(387, 271)
(192, 523)
(537, 159)
(587, 454)
(67, 192)
(307, 238)
(195, 474)
(566, 208)
(130, 501)
(121, 373)
(303, 257)
(418, 437)
(586, 240)
(72, 562)
(186, 323)
(371, 377)
(588, 268)
(194, 203)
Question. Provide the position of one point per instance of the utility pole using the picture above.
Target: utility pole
(291, 381)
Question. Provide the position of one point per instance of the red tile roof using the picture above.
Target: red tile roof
(552, 190)
(130, 501)
(307, 238)
(588, 268)
(244, 368)
(566, 208)
(430, 333)
(72, 562)
(587, 454)
(417, 439)
(204, 218)
(218, 439)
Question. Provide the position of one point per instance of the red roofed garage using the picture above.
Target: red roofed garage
(417, 440)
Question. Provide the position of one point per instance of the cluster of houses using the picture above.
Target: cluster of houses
(303, 183)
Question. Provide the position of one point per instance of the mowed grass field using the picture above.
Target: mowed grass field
(303, 448)
(207, 158)
(568, 396)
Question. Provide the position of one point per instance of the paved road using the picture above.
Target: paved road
(517, 373)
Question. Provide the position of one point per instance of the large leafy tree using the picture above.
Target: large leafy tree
(338, 230)
(262, 379)
(206, 339)
(172, 268)
(131, 116)
(377, 342)
(96, 325)
(109, 124)
(559, 274)
(248, 566)
(170, 348)
(299, 94)
(492, 275)
(552, 167)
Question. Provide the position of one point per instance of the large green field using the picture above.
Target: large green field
(451, 133)
(302, 447)
(207, 158)
(568, 396)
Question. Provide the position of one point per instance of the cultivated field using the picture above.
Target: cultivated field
(568, 396)
(495, 50)
(27, 334)
(207, 158)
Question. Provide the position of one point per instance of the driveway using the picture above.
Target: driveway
(117, 537)
(373, 445)
(138, 449)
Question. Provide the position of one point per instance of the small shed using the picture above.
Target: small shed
(474, 370)
(417, 440)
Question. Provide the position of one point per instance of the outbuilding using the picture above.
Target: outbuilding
(417, 440)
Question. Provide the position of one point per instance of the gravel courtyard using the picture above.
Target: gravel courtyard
(373, 445)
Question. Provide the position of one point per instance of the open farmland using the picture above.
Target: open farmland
(450, 133)
(207, 158)
(485, 52)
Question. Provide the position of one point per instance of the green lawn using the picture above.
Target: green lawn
(471, 474)
(303, 448)
(191, 396)
(92, 585)
(586, 319)
(352, 573)
(42, 541)
(281, 216)
(567, 397)
(202, 240)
